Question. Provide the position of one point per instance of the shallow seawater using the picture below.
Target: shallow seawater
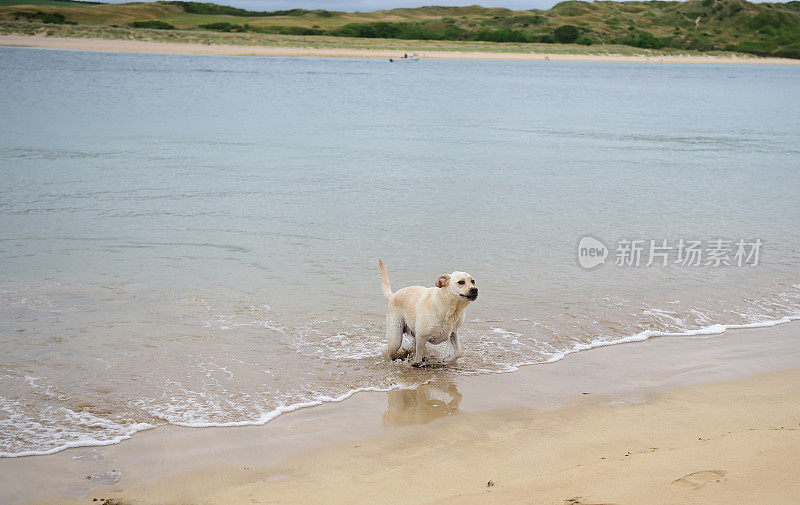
(194, 239)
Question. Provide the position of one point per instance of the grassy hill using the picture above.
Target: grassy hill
(700, 25)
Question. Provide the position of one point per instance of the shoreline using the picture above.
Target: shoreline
(706, 331)
(623, 375)
(152, 47)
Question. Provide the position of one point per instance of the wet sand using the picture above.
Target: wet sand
(671, 420)
(139, 46)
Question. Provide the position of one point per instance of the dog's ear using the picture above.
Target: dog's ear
(442, 281)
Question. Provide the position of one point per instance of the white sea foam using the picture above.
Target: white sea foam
(714, 329)
(558, 355)
(44, 428)
(269, 416)
(83, 441)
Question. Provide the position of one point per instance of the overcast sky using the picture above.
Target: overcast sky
(370, 5)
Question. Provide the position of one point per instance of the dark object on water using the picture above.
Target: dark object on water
(406, 57)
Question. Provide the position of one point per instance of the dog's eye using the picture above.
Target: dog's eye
(461, 282)
(473, 281)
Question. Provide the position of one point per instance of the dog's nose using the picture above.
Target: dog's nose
(473, 291)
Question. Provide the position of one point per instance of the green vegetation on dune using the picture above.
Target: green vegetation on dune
(765, 29)
(54, 18)
(153, 25)
(214, 9)
(247, 39)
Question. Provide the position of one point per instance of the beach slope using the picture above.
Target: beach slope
(730, 442)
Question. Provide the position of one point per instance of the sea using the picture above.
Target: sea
(194, 240)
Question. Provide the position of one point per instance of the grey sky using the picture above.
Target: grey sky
(371, 5)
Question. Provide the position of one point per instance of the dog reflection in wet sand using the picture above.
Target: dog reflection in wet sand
(421, 405)
(427, 314)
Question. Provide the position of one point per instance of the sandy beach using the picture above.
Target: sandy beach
(140, 46)
(692, 420)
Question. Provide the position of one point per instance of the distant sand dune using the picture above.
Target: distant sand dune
(141, 46)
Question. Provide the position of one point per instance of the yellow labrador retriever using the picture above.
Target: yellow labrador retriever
(427, 314)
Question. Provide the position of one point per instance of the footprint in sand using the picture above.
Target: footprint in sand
(697, 480)
(579, 501)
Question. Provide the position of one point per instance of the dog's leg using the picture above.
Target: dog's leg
(419, 351)
(405, 350)
(394, 333)
(456, 350)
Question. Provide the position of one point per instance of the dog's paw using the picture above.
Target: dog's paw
(401, 354)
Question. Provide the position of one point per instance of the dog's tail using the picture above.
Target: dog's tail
(387, 288)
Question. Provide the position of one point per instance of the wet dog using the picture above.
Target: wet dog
(427, 314)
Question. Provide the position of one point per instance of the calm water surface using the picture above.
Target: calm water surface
(194, 239)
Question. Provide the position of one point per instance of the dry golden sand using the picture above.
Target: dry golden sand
(139, 46)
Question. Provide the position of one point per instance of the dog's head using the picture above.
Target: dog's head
(459, 284)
